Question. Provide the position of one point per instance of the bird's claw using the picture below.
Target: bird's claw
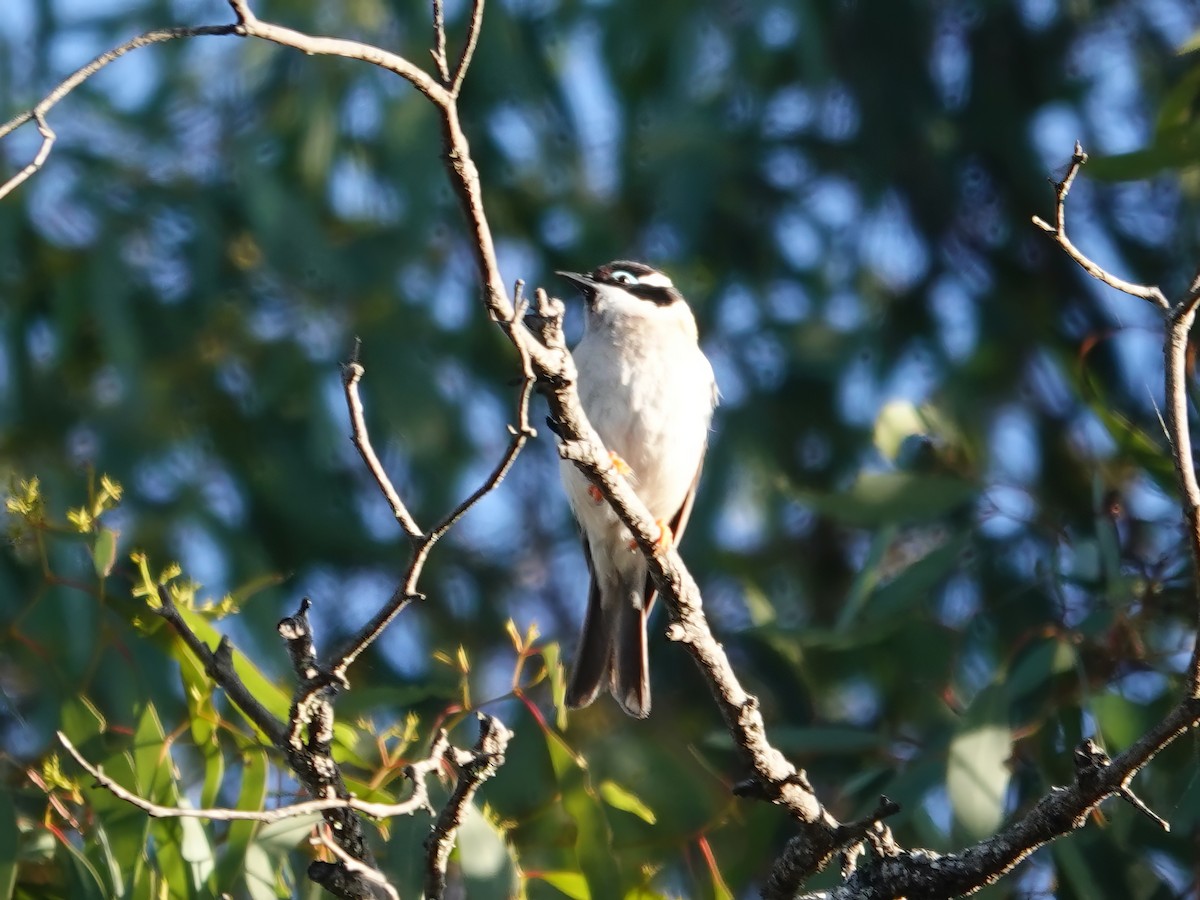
(665, 539)
(620, 465)
(663, 542)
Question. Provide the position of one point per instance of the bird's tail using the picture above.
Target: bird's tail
(612, 652)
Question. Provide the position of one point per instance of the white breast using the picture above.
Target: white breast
(649, 392)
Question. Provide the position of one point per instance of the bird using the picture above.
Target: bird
(649, 392)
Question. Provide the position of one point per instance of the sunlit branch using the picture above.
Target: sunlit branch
(439, 41)
(38, 113)
(1180, 318)
(408, 591)
(352, 374)
(324, 838)
(416, 772)
(218, 665)
(475, 768)
(1058, 231)
(474, 26)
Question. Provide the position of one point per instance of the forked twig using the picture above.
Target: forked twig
(1058, 231)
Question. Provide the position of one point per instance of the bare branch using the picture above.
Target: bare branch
(251, 26)
(218, 665)
(407, 591)
(922, 873)
(352, 373)
(1058, 231)
(417, 773)
(474, 26)
(38, 113)
(439, 41)
(1180, 318)
(1179, 326)
(324, 838)
(476, 768)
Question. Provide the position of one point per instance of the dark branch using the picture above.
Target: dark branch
(475, 768)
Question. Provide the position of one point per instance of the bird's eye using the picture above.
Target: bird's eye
(622, 277)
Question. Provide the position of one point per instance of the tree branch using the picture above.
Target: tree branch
(38, 113)
(1058, 231)
(218, 665)
(352, 373)
(407, 590)
(476, 767)
(417, 772)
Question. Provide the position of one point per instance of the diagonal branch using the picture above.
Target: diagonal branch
(218, 665)
(476, 767)
(474, 26)
(407, 591)
(352, 374)
(38, 113)
(417, 772)
(1058, 231)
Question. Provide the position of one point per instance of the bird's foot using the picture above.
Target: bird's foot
(665, 539)
(663, 542)
(620, 465)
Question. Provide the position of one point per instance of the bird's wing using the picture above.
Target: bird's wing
(677, 524)
(590, 669)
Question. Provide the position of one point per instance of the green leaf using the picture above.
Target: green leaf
(897, 421)
(977, 772)
(623, 799)
(1191, 45)
(570, 884)
(866, 579)
(266, 854)
(884, 498)
(485, 858)
(1045, 661)
(287, 834)
(104, 551)
(1174, 147)
(81, 721)
(82, 879)
(259, 874)
(552, 656)
(914, 584)
(10, 840)
(593, 841)
(1120, 721)
(255, 770)
(152, 759)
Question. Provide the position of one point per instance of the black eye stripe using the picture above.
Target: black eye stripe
(663, 296)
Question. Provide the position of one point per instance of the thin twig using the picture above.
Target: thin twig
(407, 591)
(417, 772)
(352, 373)
(475, 768)
(325, 838)
(1058, 231)
(474, 26)
(439, 42)
(38, 113)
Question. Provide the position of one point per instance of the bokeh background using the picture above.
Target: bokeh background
(937, 530)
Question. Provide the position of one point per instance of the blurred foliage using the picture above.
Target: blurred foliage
(937, 530)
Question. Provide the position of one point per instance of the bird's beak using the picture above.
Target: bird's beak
(582, 281)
